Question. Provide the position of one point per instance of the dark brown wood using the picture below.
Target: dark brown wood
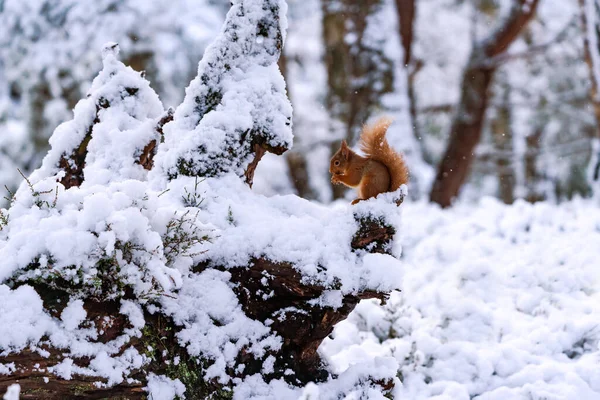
(465, 132)
(464, 136)
(259, 148)
(32, 367)
(406, 10)
(301, 325)
(259, 152)
(73, 164)
(373, 233)
(146, 159)
(521, 13)
(406, 16)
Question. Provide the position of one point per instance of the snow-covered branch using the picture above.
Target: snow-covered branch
(236, 108)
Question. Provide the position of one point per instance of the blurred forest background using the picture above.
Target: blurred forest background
(489, 97)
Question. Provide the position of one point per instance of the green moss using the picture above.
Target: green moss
(38, 391)
(208, 102)
(82, 388)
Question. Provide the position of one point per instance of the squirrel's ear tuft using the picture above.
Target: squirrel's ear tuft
(344, 148)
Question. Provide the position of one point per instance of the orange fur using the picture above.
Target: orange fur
(382, 170)
(376, 147)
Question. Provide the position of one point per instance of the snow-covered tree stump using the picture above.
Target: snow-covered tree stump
(138, 262)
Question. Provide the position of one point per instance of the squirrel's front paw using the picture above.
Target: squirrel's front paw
(355, 201)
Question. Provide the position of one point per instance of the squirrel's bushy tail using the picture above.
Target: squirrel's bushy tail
(375, 146)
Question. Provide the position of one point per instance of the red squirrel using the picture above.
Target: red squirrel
(381, 170)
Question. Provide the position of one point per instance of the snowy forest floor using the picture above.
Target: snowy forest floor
(498, 302)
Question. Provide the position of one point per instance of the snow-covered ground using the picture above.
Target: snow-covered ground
(498, 302)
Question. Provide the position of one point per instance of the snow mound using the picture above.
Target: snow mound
(237, 100)
(110, 128)
(316, 239)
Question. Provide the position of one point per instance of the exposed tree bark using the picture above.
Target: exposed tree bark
(406, 17)
(146, 159)
(590, 21)
(73, 164)
(503, 140)
(467, 124)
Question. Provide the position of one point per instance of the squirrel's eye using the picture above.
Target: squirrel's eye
(337, 163)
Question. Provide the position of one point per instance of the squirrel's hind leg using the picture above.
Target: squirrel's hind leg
(373, 183)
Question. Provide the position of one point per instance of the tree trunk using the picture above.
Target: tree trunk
(358, 71)
(406, 17)
(298, 168)
(296, 161)
(590, 21)
(466, 128)
(532, 176)
(503, 141)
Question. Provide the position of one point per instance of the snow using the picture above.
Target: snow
(123, 229)
(488, 301)
(162, 388)
(355, 377)
(237, 97)
(42, 41)
(309, 235)
(122, 109)
(73, 315)
(6, 369)
(204, 304)
(22, 320)
(498, 302)
(50, 55)
(12, 393)
(213, 326)
(356, 383)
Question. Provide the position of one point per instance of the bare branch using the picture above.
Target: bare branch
(532, 50)
(520, 14)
